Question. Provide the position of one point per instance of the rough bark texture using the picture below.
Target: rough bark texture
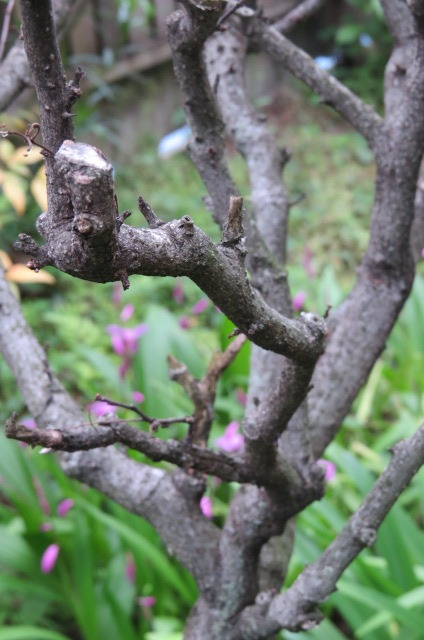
(289, 421)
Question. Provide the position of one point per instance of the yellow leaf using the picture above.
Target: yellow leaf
(39, 189)
(6, 150)
(14, 191)
(21, 155)
(21, 274)
(5, 260)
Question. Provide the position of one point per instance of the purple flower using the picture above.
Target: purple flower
(206, 507)
(127, 312)
(146, 601)
(422, 253)
(125, 339)
(184, 322)
(232, 440)
(298, 300)
(125, 343)
(49, 558)
(178, 293)
(100, 408)
(330, 469)
(46, 526)
(137, 396)
(64, 506)
(200, 306)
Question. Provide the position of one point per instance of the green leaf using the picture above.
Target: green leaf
(30, 633)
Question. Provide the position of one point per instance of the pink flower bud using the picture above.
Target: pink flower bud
(184, 322)
(200, 306)
(330, 469)
(49, 558)
(127, 312)
(147, 601)
(206, 506)
(64, 506)
(137, 396)
(298, 301)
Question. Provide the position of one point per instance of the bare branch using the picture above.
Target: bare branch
(111, 431)
(361, 116)
(54, 96)
(387, 270)
(187, 32)
(303, 11)
(14, 69)
(294, 609)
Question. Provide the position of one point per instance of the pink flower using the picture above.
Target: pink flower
(125, 339)
(178, 293)
(146, 601)
(137, 396)
(130, 568)
(232, 440)
(49, 558)
(200, 306)
(64, 506)
(127, 312)
(184, 322)
(46, 526)
(330, 469)
(298, 300)
(422, 253)
(100, 408)
(206, 507)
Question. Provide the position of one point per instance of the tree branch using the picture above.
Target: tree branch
(55, 97)
(361, 116)
(298, 14)
(294, 609)
(387, 269)
(14, 69)
(187, 31)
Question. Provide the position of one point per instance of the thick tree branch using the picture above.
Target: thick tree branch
(295, 609)
(83, 245)
(386, 273)
(14, 69)
(187, 32)
(361, 116)
(55, 97)
(112, 431)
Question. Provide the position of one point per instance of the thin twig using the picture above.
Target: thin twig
(154, 423)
